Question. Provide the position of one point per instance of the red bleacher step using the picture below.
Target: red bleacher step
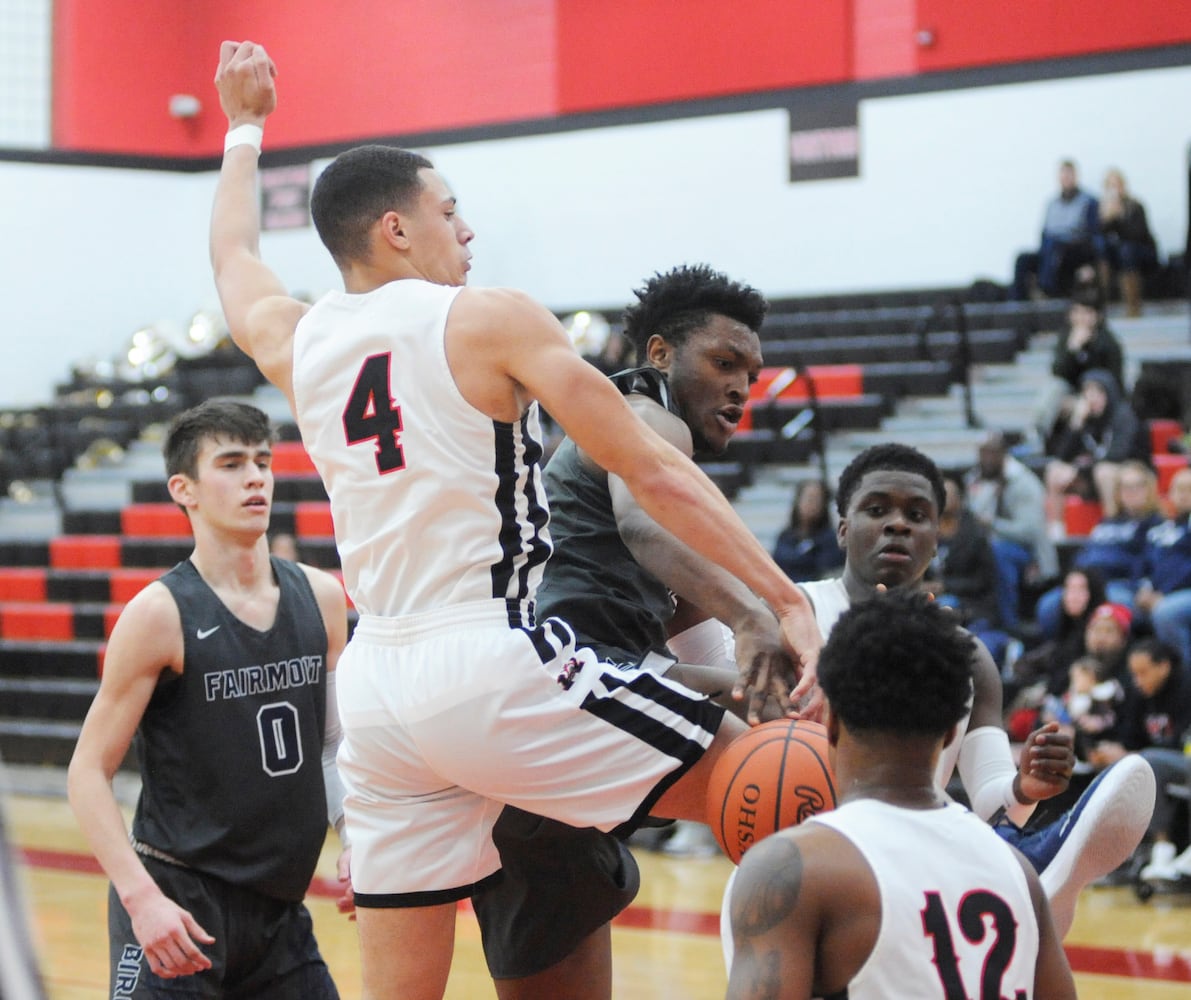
(154, 520)
(290, 459)
(85, 552)
(23, 620)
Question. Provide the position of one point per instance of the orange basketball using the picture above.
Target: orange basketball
(772, 776)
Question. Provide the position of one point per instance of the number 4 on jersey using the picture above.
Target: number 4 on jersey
(371, 414)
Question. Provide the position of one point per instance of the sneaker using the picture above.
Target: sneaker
(1094, 836)
(1161, 867)
(691, 840)
(1182, 864)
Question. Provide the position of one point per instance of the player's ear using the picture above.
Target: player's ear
(392, 230)
(181, 489)
(659, 353)
(832, 724)
(951, 734)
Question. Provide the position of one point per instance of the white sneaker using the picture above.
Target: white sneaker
(1097, 834)
(1162, 864)
(691, 840)
(1182, 864)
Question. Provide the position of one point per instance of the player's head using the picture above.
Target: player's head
(889, 500)
(216, 418)
(382, 196)
(224, 444)
(898, 663)
(701, 328)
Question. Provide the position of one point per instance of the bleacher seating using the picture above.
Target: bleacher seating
(60, 596)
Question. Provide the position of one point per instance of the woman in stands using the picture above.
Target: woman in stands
(1116, 546)
(807, 548)
(1129, 247)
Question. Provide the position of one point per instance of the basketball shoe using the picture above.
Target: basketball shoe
(1093, 837)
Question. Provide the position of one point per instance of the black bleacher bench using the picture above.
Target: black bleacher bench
(759, 447)
(1025, 318)
(987, 347)
(863, 412)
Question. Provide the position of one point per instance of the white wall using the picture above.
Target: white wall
(953, 185)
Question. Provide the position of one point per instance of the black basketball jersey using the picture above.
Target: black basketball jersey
(230, 752)
(592, 582)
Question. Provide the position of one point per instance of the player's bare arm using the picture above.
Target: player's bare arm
(1052, 971)
(332, 603)
(503, 332)
(260, 314)
(765, 667)
(145, 642)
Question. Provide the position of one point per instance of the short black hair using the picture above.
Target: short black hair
(897, 662)
(1158, 651)
(356, 189)
(675, 302)
(226, 418)
(893, 457)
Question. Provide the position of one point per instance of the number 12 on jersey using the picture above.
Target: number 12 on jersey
(372, 415)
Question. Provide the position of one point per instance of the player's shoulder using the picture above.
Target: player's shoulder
(154, 606)
(323, 584)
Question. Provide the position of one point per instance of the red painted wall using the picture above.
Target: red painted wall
(387, 67)
(394, 67)
(614, 53)
(976, 34)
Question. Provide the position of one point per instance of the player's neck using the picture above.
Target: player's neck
(899, 772)
(231, 563)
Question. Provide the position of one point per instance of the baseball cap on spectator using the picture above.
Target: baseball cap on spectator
(1118, 612)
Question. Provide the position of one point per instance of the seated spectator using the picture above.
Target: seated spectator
(1129, 247)
(807, 547)
(1090, 708)
(1070, 238)
(1085, 344)
(1115, 547)
(1087, 448)
(1008, 499)
(284, 546)
(962, 569)
(1164, 593)
(1045, 669)
(1155, 719)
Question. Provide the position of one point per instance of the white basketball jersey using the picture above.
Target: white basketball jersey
(830, 600)
(956, 915)
(434, 503)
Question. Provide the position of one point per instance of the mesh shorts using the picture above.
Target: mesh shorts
(264, 948)
(450, 715)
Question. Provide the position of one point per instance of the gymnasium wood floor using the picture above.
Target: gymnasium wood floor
(666, 944)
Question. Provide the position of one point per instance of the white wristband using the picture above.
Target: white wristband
(244, 135)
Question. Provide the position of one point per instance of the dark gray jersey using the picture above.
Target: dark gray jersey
(592, 582)
(230, 752)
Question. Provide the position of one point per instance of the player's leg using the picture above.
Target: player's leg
(1092, 838)
(585, 974)
(418, 969)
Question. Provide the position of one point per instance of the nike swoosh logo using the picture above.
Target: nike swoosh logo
(202, 633)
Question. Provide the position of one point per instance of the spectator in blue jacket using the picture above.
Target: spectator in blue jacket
(1115, 547)
(1070, 238)
(807, 548)
(1165, 592)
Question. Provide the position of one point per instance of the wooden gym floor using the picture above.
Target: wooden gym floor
(666, 944)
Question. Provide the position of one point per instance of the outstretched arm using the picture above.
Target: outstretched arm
(507, 332)
(764, 665)
(260, 315)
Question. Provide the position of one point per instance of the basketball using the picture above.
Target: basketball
(772, 776)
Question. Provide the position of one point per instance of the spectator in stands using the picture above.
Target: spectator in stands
(1155, 720)
(1008, 499)
(807, 547)
(283, 545)
(1115, 547)
(1090, 707)
(963, 569)
(1087, 448)
(1129, 247)
(1070, 238)
(1165, 590)
(1085, 344)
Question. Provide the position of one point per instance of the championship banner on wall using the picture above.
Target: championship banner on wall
(285, 197)
(824, 140)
